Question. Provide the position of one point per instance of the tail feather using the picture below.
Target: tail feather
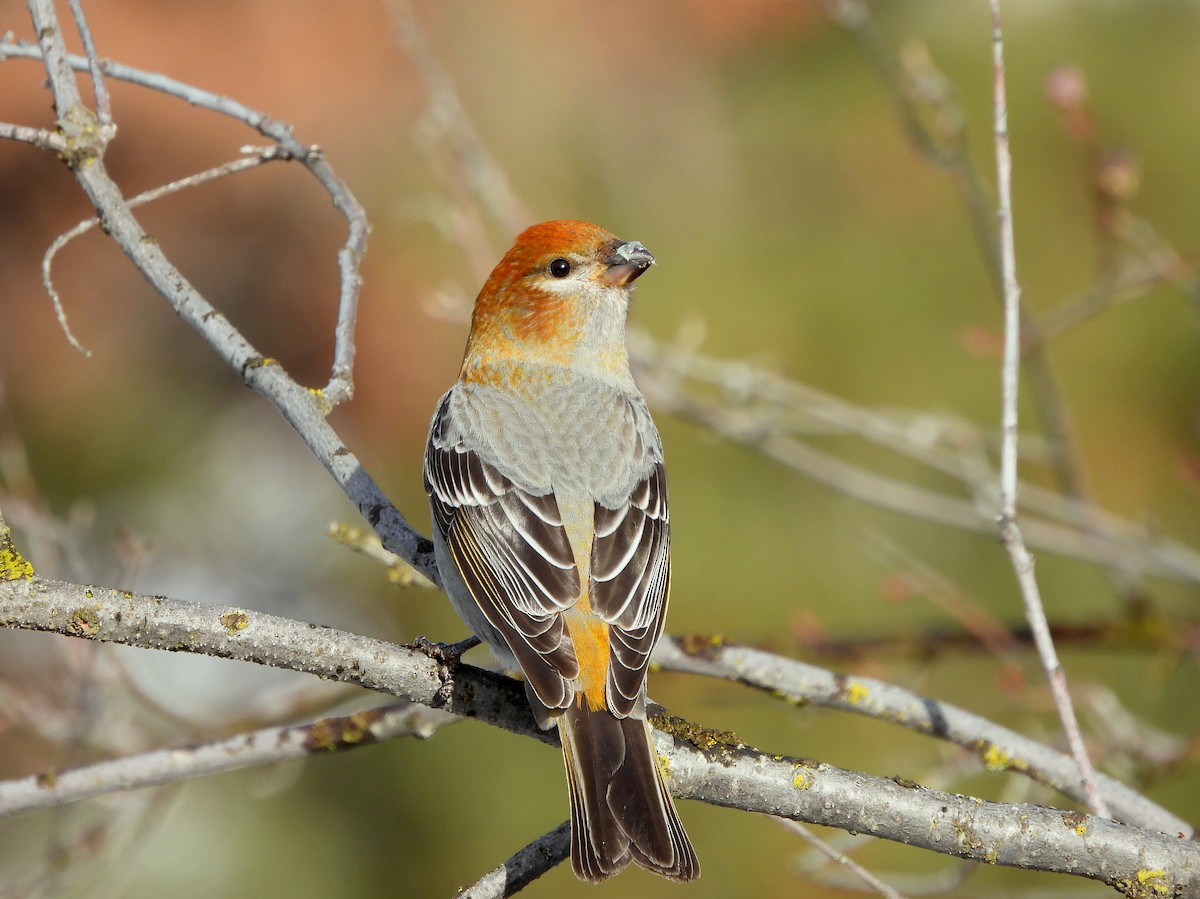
(620, 808)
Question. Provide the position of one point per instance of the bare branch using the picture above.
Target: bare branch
(265, 746)
(476, 173)
(999, 748)
(526, 866)
(1010, 530)
(103, 102)
(37, 137)
(1018, 835)
(703, 764)
(304, 410)
(340, 387)
(262, 155)
(872, 882)
(918, 87)
(769, 412)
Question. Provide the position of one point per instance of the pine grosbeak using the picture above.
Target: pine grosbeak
(545, 476)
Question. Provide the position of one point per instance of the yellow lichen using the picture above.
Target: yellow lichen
(803, 779)
(701, 644)
(664, 766)
(322, 401)
(13, 566)
(84, 622)
(995, 758)
(698, 736)
(856, 692)
(1077, 821)
(332, 734)
(235, 622)
(1155, 880)
(1151, 883)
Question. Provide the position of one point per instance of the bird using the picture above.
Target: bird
(548, 496)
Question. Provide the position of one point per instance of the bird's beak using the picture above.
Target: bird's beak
(626, 260)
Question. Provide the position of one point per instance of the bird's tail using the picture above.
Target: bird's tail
(620, 808)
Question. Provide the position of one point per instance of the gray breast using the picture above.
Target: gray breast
(578, 437)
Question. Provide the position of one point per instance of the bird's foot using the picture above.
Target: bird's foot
(448, 656)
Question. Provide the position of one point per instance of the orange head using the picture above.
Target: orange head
(558, 297)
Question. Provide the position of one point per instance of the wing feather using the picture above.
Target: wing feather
(631, 575)
(513, 554)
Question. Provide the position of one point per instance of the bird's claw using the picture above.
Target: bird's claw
(448, 656)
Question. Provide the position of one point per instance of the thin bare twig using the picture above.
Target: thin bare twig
(1010, 531)
(265, 746)
(485, 177)
(261, 155)
(525, 866)
(304, 410)
(761, 409)
(840, 859)
(38, 137)
(103, 102)
(341, 384)
(915, 84)
(477, 184)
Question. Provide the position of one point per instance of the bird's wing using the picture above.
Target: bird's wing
(512, 551)
(630, 580)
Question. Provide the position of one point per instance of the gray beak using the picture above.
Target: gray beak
(626, 261)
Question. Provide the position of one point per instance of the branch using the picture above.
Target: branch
(526, 866)
(704, 765)
(1010, 530)
(303, 409)
(469, 173)
(869, 880)
(103, 103)
(36, 137)
(260, 156)
(265, 746)
(761, 409)
(999, 748)
(916, 87)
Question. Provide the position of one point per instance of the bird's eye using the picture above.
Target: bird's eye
(560, 268)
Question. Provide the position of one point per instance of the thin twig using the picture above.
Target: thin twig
(103, 103)
(341, 384)
(38, 137)
(265, 746)
(758, 408)
(486, 178)
(946, 147)
(840, 859)
(1010, 531)
(303, 409)
(525, 866)
(262, 155)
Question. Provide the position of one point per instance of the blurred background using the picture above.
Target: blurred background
(813, 180)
